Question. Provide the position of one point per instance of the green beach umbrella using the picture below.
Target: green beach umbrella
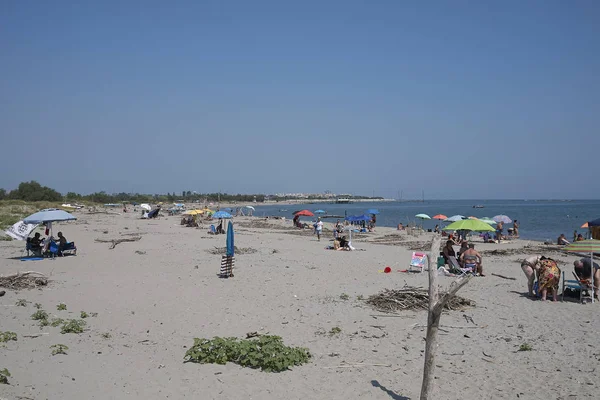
(488, 221)
(469, 225)
(586, 246)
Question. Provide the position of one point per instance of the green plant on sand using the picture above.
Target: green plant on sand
(73, 326)
(7, 336)
(525, 347)
(39, 315)
(59, 349)
(56, 322)
(21, 303)
(4, 375)
(267, 353)
(335, 330)
(61, 307)
(344, 296)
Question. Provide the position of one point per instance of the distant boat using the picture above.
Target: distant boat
(282, 210)
(478, 206)
(342, 200)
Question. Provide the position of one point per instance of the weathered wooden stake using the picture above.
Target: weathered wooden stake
(436, 305)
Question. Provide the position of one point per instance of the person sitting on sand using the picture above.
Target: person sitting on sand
(35, 243)
(472, 259)
(453, 238)
(583, 269)
(580, 238)
(548, 278)
(400, 226)
(530, 266)
(562, 240)
(464, 246)
(62, 243)
(448, 251)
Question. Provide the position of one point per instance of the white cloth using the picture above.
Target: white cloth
(20, 230)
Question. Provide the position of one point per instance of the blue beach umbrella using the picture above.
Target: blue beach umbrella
(49, 215)
(230, 245)
(221, 215)
(319, 212)
(373, 211)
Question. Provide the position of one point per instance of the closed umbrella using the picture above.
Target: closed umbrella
(469, 225)
(230, 245)
(502, 218)
(441, 217)
(586, 246)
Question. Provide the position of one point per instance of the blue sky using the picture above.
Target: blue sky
(462, 99)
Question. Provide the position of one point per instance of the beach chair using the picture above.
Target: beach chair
(455, 267)
(417, 261)
(576, 284)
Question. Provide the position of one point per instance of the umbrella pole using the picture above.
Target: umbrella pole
(592, 261)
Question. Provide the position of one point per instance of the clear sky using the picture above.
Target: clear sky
(462, 99)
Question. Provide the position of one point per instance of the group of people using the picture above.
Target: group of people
(548, 274)
(40, 246)
(467, 257)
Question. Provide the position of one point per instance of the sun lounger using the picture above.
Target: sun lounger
(457, 269)
(576, 284)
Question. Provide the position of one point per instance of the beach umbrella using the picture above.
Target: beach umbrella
(586, 246)
(441, 217)
(320, 212)
(49, 215)
(502, 218)
(586, 225)
(422, 216)
(304, 213)
(454, 218)
(250, 207)
(208, 211)
(373, 211)
(595, 222)
(193, 212)
(221, 215)
(230, 246)
(146, 207)
(358, 218)
(469, 225)
(472, 217)
(488, 221)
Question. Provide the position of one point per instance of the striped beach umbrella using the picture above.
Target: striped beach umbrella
(586, 246)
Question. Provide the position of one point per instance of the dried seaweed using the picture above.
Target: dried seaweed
(412, 298)
(237, 250)
(23, 280)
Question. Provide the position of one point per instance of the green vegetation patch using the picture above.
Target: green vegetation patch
(267, 353)
(7, 336)
(73, 326)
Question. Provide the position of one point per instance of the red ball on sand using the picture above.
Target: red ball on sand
(387, 270)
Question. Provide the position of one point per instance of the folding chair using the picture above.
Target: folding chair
(455, 267)
(575, 284)
(418, 260)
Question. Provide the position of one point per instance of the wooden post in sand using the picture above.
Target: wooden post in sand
(436, 305)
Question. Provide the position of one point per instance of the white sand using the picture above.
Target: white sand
(154, 304)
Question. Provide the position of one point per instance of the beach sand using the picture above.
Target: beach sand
(155, 295)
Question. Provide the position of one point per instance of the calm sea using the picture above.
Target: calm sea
(538, 220)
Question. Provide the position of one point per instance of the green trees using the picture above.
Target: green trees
(33, 191)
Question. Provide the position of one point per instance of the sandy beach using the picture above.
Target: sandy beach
(154, 296)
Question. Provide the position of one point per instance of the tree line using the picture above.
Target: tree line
(33, 191)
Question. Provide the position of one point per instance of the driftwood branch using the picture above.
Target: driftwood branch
(436, 306)
(504, 277)
(115, 242)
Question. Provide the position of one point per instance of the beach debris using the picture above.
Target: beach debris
(140, 252)
(266, 352)
(412, 298)
(335, 331)
(23, 280)
(4, 375)
(359, 365)
(525, 347)
(237, 250)
(115, 242)
(7, 336)
(21, 303)
(2, 293)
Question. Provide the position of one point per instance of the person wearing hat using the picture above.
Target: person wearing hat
(319, 228)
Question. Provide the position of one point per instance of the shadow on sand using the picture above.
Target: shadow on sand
(388, 391)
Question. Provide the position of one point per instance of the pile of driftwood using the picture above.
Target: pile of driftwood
(115, 242)
(23, 280)
(411, 298)
(237, 250)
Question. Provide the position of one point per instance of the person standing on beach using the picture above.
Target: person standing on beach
(499, 229)
(515, 228)
(530, 266)
(319, 228)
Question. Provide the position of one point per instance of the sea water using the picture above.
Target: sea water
(538, 219)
